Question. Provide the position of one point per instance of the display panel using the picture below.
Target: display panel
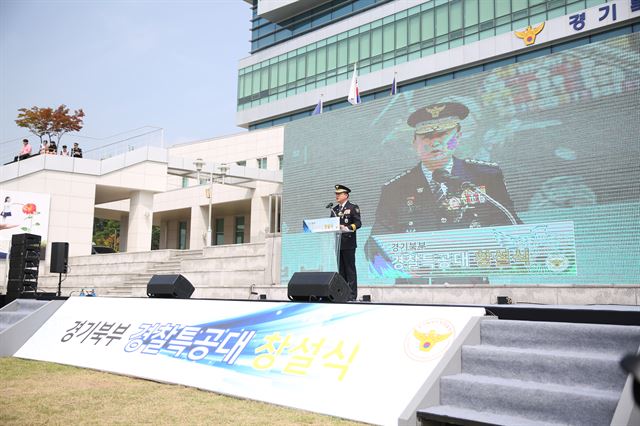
(526, 174)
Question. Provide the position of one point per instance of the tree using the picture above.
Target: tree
(49, 121)
(106, 233)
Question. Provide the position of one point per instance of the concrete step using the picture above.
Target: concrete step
(535, 401)
(599, 339)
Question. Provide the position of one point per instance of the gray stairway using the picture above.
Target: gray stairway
(17, 310)
(136, 284)
(20, 319)
(535, 373)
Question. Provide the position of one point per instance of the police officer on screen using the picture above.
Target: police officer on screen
(415, 202)
(349, 215)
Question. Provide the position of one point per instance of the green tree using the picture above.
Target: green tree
(155, 237)
(106, 233)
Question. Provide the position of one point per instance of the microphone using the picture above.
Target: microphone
(452, 182)
(328, 206)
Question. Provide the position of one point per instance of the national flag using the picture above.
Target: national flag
(354, 92)
(394, 86)
(318, 109)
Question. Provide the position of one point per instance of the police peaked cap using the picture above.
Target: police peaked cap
(437, 117)
(342, 188)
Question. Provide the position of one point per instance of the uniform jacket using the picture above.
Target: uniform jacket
(407, 203)
(349, 217)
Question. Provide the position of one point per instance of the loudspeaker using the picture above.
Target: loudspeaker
(24, 263)
(169, 286)
(59, 258)
(318, 286)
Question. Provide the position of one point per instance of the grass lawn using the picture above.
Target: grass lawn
(35, 392)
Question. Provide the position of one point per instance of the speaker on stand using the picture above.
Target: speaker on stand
(59, 262)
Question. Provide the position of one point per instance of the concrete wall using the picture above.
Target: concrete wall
(71, 209)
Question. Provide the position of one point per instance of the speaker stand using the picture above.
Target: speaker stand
(60, 284)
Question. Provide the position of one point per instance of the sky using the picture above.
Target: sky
(126, 63)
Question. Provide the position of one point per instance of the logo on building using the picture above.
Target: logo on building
(529, 34)
(428, 340)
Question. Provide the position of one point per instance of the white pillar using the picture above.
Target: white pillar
(140, 221)
(198, 227)
(124, 230)
(259, 218)
(163, 234)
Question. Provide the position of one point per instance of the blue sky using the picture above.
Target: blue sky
(128, 64)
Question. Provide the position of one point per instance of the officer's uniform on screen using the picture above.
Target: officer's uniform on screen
(414, 202)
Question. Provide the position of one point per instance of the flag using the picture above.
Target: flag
(318, 109)
(354, 93)
(394, 86)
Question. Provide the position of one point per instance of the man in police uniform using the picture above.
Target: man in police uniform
(414, 202)
(349, 215)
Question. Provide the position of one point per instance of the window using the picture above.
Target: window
(242, 163)
(182, 235)
(262, 163)
(280, 160)
(185, 182)
(219, 227)
(239, 230)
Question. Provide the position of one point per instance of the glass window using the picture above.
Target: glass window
(470, 12)
(262, 163)
(247, 84)
(280, 160)
(182, 235)
(518, 5)
(242, 163)
(291, 70)
(376, 41)
(486, 11)
(455, 15)
(239, 229)
(321, 60)
(273, 76)
(554, 13)
(442, 20)
(311, 64)
(342, 11)
(342, 53)
(427, 25)
(401, 33)
(353, 49)
(255, 82)
(282, 73)
(388, 38)
(219, 232)
(264, 79)
(414, 29)
(332, 53)
(574, 6)
(364, 45)
(185, 182)
(301, 59)
(503, 7)
(241, 79)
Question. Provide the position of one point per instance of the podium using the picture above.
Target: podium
(329, 226)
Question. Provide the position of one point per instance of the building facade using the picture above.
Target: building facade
(217, 191)
(304, 51)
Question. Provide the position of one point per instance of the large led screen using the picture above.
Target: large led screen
(525, 174)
